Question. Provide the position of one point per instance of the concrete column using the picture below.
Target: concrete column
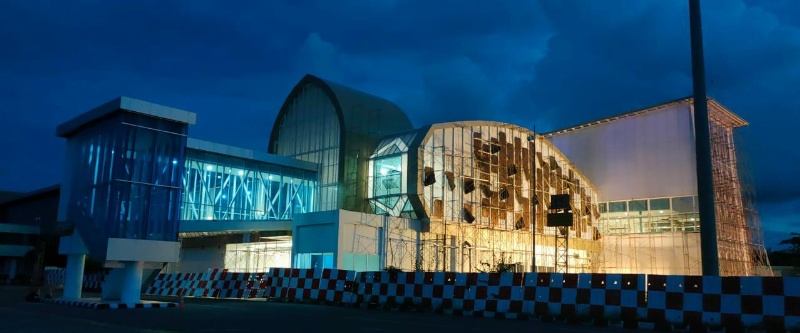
(73, 279)
(132, 282)
(12, 269)
(381, 243)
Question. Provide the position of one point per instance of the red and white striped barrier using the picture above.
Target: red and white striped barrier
(203, 287)
(278, 283)
(173, 284)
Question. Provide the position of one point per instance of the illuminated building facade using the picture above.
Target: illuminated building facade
(348, 182)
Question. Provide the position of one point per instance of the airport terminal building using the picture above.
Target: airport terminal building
(348, 182)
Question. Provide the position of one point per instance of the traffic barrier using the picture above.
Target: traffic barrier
(427, 289)
(731, 302)
(278, 283)
(611, 296)
(327, 285)
(55, 277)
(556, 294)
(170, 284)
(203, 286)
(496, 295)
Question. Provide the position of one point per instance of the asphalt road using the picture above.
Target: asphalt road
(204, 315)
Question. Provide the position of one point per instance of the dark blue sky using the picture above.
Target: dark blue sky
(552, 62)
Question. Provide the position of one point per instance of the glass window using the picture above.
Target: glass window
(684, 204)
(603, 207)
(387, 175)
(617, 207)
(126, 177)
(217, 187)
(310, 131)
(659, 204)
(637, 205)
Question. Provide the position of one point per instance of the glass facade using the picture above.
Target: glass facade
(650, 215)
(477, 172)
(314, 260)
(311, 132)
(125, 178)
(219, 187)
(388, 177)
(476, 184)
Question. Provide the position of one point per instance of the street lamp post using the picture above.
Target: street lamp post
(534, 200)
(705, 181)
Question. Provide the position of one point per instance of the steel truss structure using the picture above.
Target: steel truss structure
(739, 236)
(214, 190)
(475, 188)
(662, 235)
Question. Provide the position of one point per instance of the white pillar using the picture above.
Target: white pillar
(73, 279)
(132, 282)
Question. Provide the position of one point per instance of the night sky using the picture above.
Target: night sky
(554, 63)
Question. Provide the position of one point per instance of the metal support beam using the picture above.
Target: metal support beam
(705, 180)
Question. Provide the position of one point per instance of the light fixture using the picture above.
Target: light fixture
(174, 161)
(661, 212)
(208, 167)
(241, 172)
(384, 171)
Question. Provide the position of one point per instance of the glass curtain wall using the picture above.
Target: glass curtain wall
(388, 177)
(650, 215)
(125, 178)
(310, 131)
(218, 187)
(484, 175)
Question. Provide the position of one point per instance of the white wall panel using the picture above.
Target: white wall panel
(644, 156)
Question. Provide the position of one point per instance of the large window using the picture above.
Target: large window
(676, 214)
(310, 131)
(218, 187)
(314, 260)
(617, 207)
(125, 177)
(387, 176)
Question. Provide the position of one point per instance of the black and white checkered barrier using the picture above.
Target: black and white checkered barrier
(56, 278)
(428, 289)
(730, 302)
(110, 306)
(495, 295)
(331, 286)
(611, 296)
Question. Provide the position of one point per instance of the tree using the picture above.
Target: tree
(793, 242)
(789, 256)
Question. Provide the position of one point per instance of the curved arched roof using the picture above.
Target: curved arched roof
(358, 112)
(414, 139)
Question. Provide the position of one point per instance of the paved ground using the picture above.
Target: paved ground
(202, 315)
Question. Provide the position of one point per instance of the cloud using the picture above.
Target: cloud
(605, 59)
(552, 63)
